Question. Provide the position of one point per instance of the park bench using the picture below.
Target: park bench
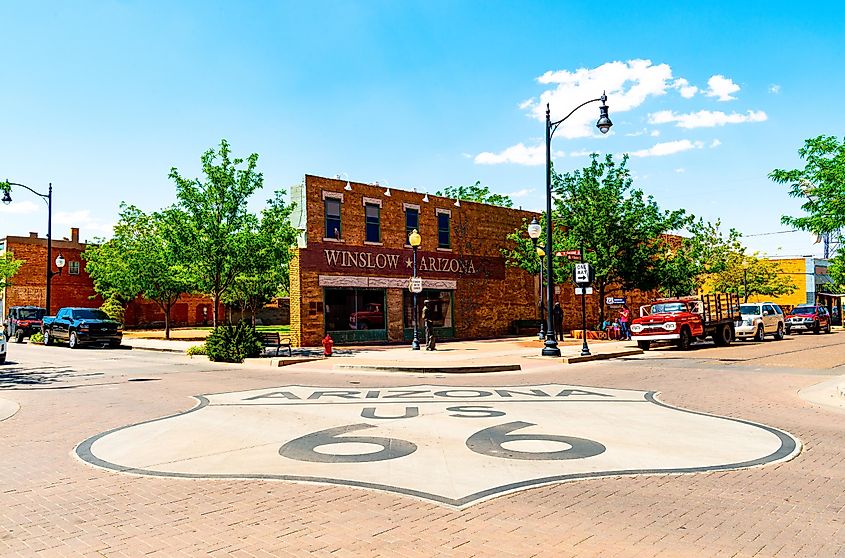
(273, 339)
(525, 326)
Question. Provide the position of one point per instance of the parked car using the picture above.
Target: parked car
(79, 326)
(2, 347)
(681, 320)
(23, 321)
(760, 319)
(808, 317)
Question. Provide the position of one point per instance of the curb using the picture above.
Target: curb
(430, 369)
(154, 349)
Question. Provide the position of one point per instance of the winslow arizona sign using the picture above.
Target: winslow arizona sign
(451, 445)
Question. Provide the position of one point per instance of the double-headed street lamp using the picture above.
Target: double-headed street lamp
(48, 199)
(550, 347)
(414, 239)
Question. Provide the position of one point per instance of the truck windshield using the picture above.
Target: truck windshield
(749, 309)
(31, 313)
(667, 307)
(90, 314)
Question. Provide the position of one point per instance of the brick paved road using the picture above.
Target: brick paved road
(51, 504)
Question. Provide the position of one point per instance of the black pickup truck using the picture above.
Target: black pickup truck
(79, 326)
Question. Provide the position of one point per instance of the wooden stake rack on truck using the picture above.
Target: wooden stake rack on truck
(687, 318)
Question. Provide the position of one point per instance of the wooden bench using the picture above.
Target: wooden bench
(273, 339)
(519, 326)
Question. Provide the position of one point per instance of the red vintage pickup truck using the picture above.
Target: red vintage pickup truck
(681, 320)
(372, 317)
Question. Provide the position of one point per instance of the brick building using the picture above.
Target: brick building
(350, 270)
(73, 287)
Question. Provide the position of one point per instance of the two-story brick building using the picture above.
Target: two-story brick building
(350, 270)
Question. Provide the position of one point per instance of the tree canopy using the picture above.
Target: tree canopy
(475, 193)
(8, 267)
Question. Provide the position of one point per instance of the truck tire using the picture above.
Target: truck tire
(644, 345)
(723, 335)
(827, 329)
(19, 336)
(73, 340)
(685, 339)
(779, 333)
(48, 339)
(817, 329)
(760, 335)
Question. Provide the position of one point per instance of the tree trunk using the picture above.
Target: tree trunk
(216, 302)
(602, 288)
(167, 321)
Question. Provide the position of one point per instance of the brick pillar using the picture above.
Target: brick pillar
(395, 315)
(295, 299)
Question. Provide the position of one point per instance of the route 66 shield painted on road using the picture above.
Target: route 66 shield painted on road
(452, 445)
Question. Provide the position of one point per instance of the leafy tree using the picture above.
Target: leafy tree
(210, 223)
(821, 183)
(597, 210)
(266, 274)
(837, 271)
(8, 267)
(750, 275)
(140, 259)
(475, 193)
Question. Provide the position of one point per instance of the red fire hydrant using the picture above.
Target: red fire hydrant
(327, 345)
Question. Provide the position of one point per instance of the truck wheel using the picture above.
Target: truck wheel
(760, 335)
(723, 335)
(685, 339)
(779, 333)
(817, 329)
(827, 329)
(19, 336)
(73, 340)
(363, 325)
(644, 345)
(48, 339)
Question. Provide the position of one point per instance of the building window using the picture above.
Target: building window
(333, 229)
(373, 228)
(443, 230)
(412, 221)
(73, 268)
(355, 309)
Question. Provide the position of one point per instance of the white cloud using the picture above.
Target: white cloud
(88, 226)
(582, 153)
(721, 87)
(680, 170)
(705, 118)
(527, 103)
(667, 148)
(521, 193)
(687, 91)
(715, 143)
(654, 133)
(628, 85)
(518, 154)
(20, 208)
(774, 88)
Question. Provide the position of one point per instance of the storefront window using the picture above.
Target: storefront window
(354, 309)
(441, 308)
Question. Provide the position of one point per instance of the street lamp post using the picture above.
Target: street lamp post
(414, 240)
(550, 347)
(534, 230)
(48, 199)
(542, 254)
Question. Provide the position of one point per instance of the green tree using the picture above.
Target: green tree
(475, 193)
(266, 274)
(8, 267)
(597, 210)
(750, 275)
(210, 222)
(821, 183)
(140, 259)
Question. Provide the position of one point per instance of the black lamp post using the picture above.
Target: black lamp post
(534, 230)
(550, 347)
(48, 199)
(542, 255)
(414, 240)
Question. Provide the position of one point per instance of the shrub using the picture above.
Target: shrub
(197, 350)
(37, 337)
(233, 343)
(114, 309)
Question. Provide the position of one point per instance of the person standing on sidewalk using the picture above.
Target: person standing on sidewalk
(624, 319)
(557, 314)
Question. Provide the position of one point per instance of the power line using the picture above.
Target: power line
(771, 233)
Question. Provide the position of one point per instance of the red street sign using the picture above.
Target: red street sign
(573, 258)
(569, 253)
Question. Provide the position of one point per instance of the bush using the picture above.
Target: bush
(37, 337)
(114, 309)
(197, 350)
(233, 343)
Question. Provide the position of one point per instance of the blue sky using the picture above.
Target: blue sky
(103, 98)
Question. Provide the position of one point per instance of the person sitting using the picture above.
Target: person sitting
(615, 330)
